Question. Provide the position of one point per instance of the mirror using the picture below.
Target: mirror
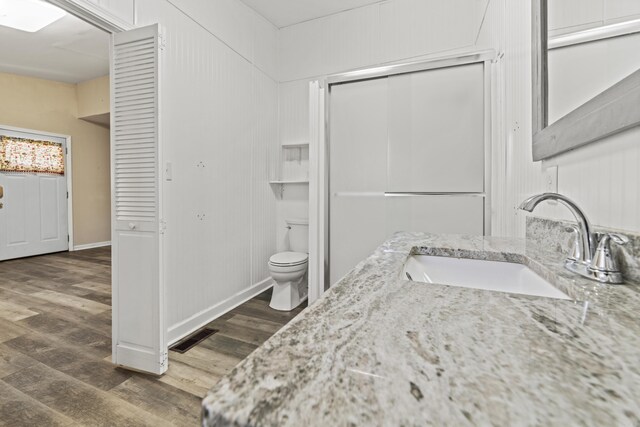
(586, 72)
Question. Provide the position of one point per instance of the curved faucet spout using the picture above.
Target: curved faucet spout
(587, 245)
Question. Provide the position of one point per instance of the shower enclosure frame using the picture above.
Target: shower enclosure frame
(320, 183)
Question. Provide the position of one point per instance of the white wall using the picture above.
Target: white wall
(219, 131)
(377, 34)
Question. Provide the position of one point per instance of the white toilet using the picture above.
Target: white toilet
(289, 269)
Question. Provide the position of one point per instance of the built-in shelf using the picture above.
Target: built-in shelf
(294, 144)
(290, 182)
(281, 184)
(294, 160)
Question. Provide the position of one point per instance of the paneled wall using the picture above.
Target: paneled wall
(515, 174)
(219, 133)
(238, 27)
(377, 34)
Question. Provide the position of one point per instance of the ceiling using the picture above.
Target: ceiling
(69, 50)
(282, 13)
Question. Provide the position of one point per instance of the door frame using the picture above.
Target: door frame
(317, 190)
(107, 22)
(94, 15)
(487, 57)
(68, 172)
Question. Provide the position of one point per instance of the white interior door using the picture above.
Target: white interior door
(33, 205)
(139, 332)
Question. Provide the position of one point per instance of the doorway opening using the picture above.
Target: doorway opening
(54, 137)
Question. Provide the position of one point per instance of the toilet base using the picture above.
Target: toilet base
(286, 295)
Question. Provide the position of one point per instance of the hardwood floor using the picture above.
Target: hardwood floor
(55, 349)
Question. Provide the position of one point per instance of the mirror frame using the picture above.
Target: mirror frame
(612, 111)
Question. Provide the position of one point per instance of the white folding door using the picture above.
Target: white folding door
(139, 333)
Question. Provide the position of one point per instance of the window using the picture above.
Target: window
(28, 155)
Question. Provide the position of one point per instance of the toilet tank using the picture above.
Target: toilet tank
(298, 235)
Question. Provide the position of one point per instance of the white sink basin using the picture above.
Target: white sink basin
(478, 274)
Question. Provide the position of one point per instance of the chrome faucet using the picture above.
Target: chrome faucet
(591, 257)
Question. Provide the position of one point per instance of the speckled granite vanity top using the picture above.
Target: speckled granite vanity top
(380, 350)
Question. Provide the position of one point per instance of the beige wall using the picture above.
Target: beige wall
(93, 97)
(50, 106)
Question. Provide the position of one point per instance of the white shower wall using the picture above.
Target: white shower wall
(219, 132)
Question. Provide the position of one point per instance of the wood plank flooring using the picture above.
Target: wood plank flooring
(55, 349)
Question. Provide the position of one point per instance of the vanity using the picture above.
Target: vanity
(379, 349)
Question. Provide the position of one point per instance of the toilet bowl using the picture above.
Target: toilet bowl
(289, 271)
(289, 268)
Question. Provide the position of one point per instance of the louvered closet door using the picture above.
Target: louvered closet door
(138, 332)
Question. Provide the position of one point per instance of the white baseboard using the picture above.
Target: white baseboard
(139, 359)
(90, 246)
(198, 320)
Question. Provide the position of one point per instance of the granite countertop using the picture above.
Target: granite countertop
(380, 350)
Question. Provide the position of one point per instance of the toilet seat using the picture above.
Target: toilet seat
(288, 259)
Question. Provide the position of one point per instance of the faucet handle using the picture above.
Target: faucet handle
(618, 238)
(603, 261)
(575, 254)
